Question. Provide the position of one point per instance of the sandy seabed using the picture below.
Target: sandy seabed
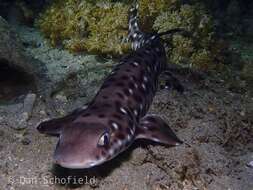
(214, 123)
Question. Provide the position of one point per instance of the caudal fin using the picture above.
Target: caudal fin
(138, 38)
(135, 35)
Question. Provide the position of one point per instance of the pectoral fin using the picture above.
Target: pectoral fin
(51, 127)
(155, 129)
(54, 126)
(169, 81)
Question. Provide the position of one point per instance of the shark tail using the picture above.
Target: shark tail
(139, 38)
(135, 35)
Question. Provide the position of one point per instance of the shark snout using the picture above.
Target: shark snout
(76, 160)
(75, 164)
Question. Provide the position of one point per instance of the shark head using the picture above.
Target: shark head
(82, 145)
(86, 144)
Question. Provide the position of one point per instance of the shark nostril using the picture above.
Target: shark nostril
(58, 162)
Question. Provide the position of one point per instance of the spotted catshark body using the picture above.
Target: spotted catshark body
(117, 116)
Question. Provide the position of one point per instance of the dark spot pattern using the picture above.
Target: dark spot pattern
(120, 84)
(105, 97)
(151, 128)
(131, 124)
(126, 91)
(101, 115)
(94, 107)
(105, 85)
(121, 96)
(117, 116)
(134, 78)
(107, 105)
(120, 136)
(137, 98)
(86, 114)
(128, 143)
(117, 149)
(151, 119)
(124, 77)
(128, 131)
(97, 157)
(131, 85)
(154, 136)
(104, 153)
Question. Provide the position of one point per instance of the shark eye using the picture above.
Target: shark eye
(104, 139)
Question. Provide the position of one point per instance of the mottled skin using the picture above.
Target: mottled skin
(117, 114)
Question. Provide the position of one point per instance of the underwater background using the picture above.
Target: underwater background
(54, 55)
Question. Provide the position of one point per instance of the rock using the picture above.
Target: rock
(25, 141)
(247, 75)
(250, 164)
(19, 121)
(61, 98)
(29, 103)
(17, 115)
(249, 111)
(1, 133)
(13, 55)
(21, 11)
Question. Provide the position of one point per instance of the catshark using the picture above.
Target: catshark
(117, 115)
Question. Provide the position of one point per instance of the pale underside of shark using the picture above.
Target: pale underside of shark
(117, 115)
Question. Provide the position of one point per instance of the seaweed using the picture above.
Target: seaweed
(108, 29)
(196, 50)
(85, 26)
(101, 27)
